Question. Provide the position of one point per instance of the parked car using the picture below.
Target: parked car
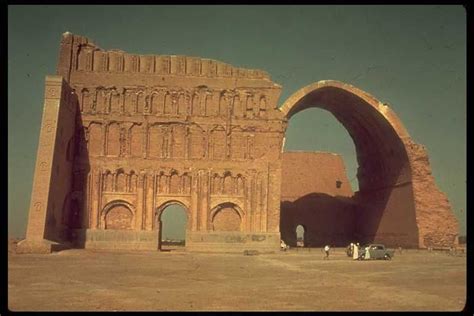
(376, 251)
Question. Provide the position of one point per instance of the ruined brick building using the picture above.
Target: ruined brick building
(123, 136)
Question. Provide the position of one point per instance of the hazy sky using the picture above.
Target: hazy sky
(412, 57)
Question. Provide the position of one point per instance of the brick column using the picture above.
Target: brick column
(194, 207)
(139, 223)
(95, 206)
(149, 202)
(204, 201)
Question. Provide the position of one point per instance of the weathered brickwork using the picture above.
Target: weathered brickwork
(142, 132)
(118, 217)
(158, 130)
(227, 219)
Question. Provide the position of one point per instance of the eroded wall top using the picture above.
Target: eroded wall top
(79, 55)
(147, 106)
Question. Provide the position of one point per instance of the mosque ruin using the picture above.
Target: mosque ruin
(123, 136)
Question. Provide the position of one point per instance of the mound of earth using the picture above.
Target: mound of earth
(12, 242)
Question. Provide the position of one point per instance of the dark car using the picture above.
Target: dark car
(376, 252)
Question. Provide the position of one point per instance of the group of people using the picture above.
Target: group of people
(285, 247)
(354, 250)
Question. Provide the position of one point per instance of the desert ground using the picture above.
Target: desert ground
(176, 280)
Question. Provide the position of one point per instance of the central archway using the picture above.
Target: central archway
(385, 209)
(300, 235)
(172, 225)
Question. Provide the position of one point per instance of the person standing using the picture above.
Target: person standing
(350, 250)
(367, 252)
(355, 253)
(326, 251)
(283, 245)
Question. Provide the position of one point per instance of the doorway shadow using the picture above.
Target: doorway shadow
(327, 220)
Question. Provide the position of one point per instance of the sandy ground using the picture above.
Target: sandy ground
(86, 280)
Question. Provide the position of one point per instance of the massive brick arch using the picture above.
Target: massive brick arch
(398, 201)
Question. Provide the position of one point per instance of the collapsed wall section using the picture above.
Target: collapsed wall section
(435, 219)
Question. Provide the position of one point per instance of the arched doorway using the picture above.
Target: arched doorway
(300, 236)
(172, 223)
(384, 206)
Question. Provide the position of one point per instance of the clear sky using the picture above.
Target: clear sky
(412, 57)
